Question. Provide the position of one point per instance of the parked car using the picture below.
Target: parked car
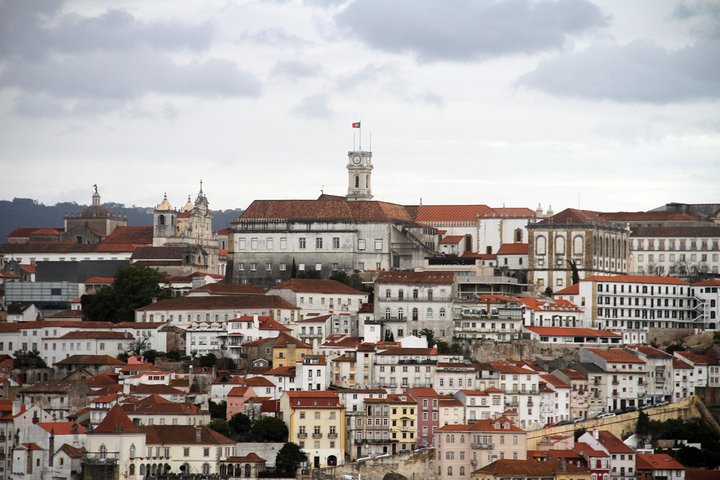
(564, 422)
(579, 419)
(605, 415)
(549, 425)
(629, 409)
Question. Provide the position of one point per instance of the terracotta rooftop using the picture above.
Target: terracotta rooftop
(612, 443)
(691, 358)
(573, 216)
(572, 332)
(502, 424)
(184, 435)
(656, 461)
(513, 249)
(62, 428)
(283, 340)
(571, 290)
(450, 213)
(219, 302)
(135, 235)
(530, 468)
(649, 351)
(97, 335)
(307, 285)
(646, 216)
(669, 232)
(222, 288)
(90, 360)
(326, 208)
(615, 355)
(636, 279)
(452, 239)
(116, 421)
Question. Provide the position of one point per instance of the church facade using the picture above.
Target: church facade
(327, 235)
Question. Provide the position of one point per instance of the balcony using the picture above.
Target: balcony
(435, 298)
(378, 441)
(317, 435)
(481, 446)
(615, 382)
(415, 361)
(332, 435)
(302, 435)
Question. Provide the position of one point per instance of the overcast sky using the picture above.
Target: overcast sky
(608, 105)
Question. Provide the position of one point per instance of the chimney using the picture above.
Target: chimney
(16, 405)
(198, 433)
(596, 434)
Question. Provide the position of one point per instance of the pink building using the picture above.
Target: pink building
(427, 414)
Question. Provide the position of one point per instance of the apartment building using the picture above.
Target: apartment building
(520, 384)
(622, 377)
(659, 368)
(680, 251)
(494, 317)
(579, 391)
(428, 414)
(397, 369)
(316, 297)
(706, 296)
(554, 399)
(621, 457)
(408, 302)
(462, 449)
(481, 404)
(316, 422)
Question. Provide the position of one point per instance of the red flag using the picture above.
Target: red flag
(356, 125)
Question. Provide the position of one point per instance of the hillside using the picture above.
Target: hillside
(26, 212)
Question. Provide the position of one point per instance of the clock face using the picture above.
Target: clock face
(356, 159)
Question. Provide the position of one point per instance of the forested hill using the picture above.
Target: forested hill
(25, 212)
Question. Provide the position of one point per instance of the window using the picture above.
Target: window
(283, 243)
(269, 243)
(241, 267)
(268, 267)
(378, 244)
(186, 452)
(241, 244)
(253, 244)
(253, 267)
(335, 267)
(318, 267)
(301, 242)
(318, 243)
(336, 243)
(206, 452)
(283, 267)
(361, 244)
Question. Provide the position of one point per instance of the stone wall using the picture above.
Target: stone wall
(416, 465)
(489, 351)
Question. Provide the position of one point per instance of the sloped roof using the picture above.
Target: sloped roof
(573, 216)
(327, 208)
(616, 355)
(684, 232)
(222, 288)
(156, 405)
(283, 340)
(219, 302)
(451, 213)
(307, 285)
(452, 239)
(62, 428)
(136, 235)
(513, 249)
(484, 425)
(636, 279)
(661, 216)
(571, 332)
(97, 335)
(612, 443)
(184, 435)
(116, 421)
(657, 461)
(444, 278)
(90, 360)
(571, 290)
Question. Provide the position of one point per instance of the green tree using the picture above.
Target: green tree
(207, 361)
(151, 355)
(288, 459)
(430, 335)
(221, 426)
(241, 425)
(353, 280)
(218, 410)
(643, 424)
(28, 360)
(269, 429)
(225, 363)
(579, 433)
(133, 287)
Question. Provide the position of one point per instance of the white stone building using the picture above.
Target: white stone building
(623, 377)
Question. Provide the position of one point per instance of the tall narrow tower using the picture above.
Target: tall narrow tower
(359, 175)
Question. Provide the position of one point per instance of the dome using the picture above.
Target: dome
(188, 206)
(95, 211)
(164, 205)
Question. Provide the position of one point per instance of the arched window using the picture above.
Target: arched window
(540, 245)
(442, 313)
(414, 313)
(103, 451)
(429, 313)
(132, 451)
(357, 181)
(131, 469)
(559, 245)
(142, 469)
(387, 313)
(578, 245)
(367, 181)
(401, 333)
(449, 471)
(206, 469)
(462, 471)
(401, 313)
(518, 235)
(248, 470)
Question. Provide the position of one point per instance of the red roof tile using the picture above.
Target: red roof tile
(571, 332)
(135, 235)
(657, 461)
(451, 213)
(62, 428)
(452, 239)
(116, 421)
(616, 355)
(571, 290)
(513, 249)
(636, 279)
(485, 425)
(307, 285)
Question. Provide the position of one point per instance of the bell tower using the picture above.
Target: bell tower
(359, 175)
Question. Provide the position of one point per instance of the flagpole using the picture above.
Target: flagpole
(360, 134)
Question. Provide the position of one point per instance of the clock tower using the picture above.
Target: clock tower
(359, 174)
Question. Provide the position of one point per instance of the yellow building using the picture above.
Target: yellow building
(403, 422)
(316, 422)
(288, 350)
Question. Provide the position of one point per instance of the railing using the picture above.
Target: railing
(302, 435)
(332, 435)
(415, 361)
(317, 435)
(481, 446)
(435, 298)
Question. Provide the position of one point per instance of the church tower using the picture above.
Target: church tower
(359, 175)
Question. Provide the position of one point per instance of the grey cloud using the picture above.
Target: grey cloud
(638, 72)
(468, 29)
(292, 68)
(273, 36)
(705, 13)
(369, 73)
(314, 106)
(127, 76)
(41, 31)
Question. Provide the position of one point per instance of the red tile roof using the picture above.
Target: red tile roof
(443, 278)
(656, 461)
(679, 364)
(513, 249)
(219, 302)
(452, 239)
(516, 212)
(571, 290)
(283, 340)
(554, 381)
(62, 428)
(573, 216)
(307, 285)
(136, 235)
(222, 288)
(713, 282)
(103, 280)
(691, 358)
(116, 421)
(669, 232)
(646, 216)
(97, 335)
(485, 425)
(616, 355)
(184, 435)
(422, 392)
(451, 213)
(636, 279)
(649, 351)
(613, 444)
(90, 360)
(571, 332)
(314, 399)
(326, 208)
